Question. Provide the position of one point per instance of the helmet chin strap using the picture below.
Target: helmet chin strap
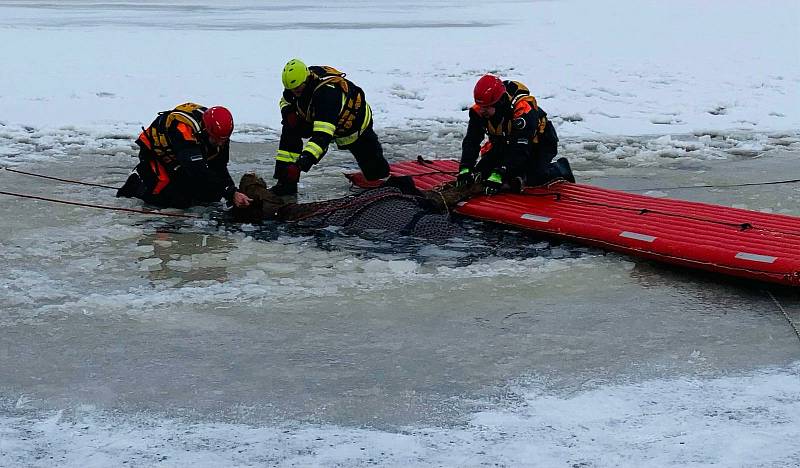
(503, 105)
(207, 139)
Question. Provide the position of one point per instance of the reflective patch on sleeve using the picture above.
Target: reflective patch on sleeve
(314, 149)
(324, 127)
(286, 156)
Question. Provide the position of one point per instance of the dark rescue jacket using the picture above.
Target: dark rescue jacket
(335, 108)
(174, 147)
(519, 125)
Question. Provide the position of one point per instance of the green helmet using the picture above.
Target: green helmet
(294, 74)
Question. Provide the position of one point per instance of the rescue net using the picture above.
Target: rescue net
(385, 209)
(389, 210)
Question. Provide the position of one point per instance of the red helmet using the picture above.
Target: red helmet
(218, 122)
(488, 90)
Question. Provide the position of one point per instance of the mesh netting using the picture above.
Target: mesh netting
(385, 209)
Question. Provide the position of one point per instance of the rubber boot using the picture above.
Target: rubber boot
(283, 189)
(515, 185)
(133, 187)
(564, 168)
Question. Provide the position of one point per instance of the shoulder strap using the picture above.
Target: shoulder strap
(329, 75)
(188, 113)
(523, 103)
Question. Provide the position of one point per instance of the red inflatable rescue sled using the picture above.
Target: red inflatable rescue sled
(737, 242)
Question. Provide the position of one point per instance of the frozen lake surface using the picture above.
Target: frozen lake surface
(127, 335)
(131, 340)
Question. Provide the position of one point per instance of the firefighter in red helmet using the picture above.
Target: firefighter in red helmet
(521, 143)
(183, 159)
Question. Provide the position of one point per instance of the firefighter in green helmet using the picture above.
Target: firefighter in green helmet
(321, 105)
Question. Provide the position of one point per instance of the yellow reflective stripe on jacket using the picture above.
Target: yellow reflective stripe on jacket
(287, 156)
(324, 127)
(283, 102)
(314, 149)
(367, 118)
(350, 139)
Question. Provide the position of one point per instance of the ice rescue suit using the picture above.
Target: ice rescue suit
(521, 140)
(178, 166)
(330, 108)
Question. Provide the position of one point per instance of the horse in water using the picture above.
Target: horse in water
(396, 207)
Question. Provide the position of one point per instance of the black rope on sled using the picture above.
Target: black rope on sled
(428, 162)
(423, 161)
(557, 196)
(643, 211)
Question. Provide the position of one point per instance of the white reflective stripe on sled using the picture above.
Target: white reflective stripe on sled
(533, 217)
(755, 257)
(637, 236)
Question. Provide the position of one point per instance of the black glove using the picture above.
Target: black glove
(305, 161)
(465, 177)
(228, 194)
(493, 183)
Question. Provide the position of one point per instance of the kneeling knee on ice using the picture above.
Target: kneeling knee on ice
(513, 138)
(184, 155)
